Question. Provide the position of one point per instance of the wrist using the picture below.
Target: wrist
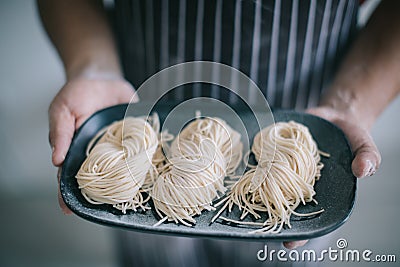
(347, 104)
(94, 69)
(350, 114)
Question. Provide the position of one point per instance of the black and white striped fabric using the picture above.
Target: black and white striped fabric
(289, 48)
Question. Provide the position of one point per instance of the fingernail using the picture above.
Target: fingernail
(52, 149)
(370, 170)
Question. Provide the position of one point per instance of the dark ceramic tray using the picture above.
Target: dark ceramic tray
(335, 191)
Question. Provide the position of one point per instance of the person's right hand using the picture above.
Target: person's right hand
(75, 102)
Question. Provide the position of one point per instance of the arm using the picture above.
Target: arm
(367, 81)
(81, 34)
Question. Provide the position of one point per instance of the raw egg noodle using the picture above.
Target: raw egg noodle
(201, 156)
(127, 159)
(288, 166)
(119, 167)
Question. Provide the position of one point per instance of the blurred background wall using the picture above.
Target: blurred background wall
(34, 232)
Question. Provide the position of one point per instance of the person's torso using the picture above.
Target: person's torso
(289, 48)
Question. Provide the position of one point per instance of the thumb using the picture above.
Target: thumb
(367, 158)
(62, 127)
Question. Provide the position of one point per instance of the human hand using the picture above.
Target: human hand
(366, 155)
(75, 102)
(367, 158)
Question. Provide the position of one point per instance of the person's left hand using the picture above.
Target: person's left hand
(367, 158)
(366, 155)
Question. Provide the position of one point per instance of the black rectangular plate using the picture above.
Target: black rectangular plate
(335, 191)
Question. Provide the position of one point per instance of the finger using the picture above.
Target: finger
(62, 129)
(367, 158)
(61, 202)
(62, 205)
(321, 112)
(134, 98)
(294, 244)
(128, 94)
